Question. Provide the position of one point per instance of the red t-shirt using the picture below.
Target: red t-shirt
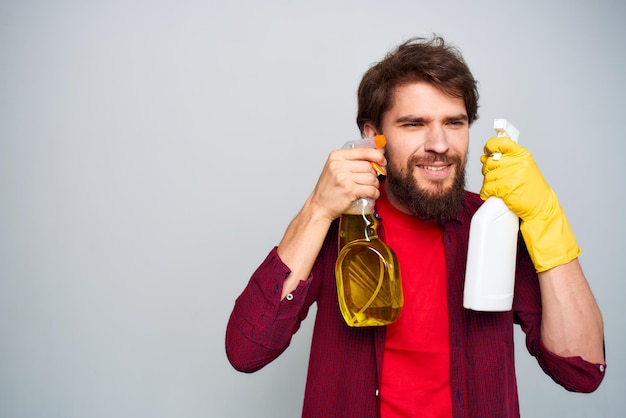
(416, 364)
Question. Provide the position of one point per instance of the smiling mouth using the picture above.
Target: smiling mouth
(434, 168)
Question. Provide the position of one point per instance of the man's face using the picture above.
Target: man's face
(427, 135)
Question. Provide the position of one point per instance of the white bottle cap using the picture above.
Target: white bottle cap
(505, 128)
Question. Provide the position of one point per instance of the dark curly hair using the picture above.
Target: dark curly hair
(418, 59)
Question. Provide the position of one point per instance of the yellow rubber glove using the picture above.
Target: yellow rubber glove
(516, 179)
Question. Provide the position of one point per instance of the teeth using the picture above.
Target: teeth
(431, 168)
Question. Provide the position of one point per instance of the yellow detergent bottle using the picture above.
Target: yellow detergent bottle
(367, 272)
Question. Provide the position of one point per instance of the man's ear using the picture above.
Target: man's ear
(369, 130)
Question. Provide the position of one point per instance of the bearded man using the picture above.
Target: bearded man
(438, 359)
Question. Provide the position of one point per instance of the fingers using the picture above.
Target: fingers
(501, 177)
(356, 162)
(514, 177)
(502, 152)
(353, 179)
(502, 145)
(493, 185)
(347, 176)
(359, 154)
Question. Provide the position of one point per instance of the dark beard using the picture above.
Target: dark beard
(438, 205)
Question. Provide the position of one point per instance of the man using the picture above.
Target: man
(438, 359)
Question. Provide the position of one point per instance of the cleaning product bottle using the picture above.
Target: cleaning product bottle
(367, 273)
(492, 249)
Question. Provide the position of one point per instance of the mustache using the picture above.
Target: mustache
(434, 158)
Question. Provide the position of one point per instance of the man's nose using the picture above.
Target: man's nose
(437, 140)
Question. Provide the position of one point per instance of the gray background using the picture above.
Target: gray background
(152, 153)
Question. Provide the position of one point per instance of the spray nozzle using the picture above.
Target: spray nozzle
(379, 141)
(504, 128)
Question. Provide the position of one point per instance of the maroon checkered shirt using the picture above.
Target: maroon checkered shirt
(345, 362)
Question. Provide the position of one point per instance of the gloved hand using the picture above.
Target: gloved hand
(516, 179)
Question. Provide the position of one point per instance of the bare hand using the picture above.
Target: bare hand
(347, 176)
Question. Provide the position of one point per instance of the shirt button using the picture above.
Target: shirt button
(601, 368)
(289, 296)
(376, 392)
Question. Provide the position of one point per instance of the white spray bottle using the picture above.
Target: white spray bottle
(492, 249)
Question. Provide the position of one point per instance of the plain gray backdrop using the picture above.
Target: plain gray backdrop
(153, 152)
